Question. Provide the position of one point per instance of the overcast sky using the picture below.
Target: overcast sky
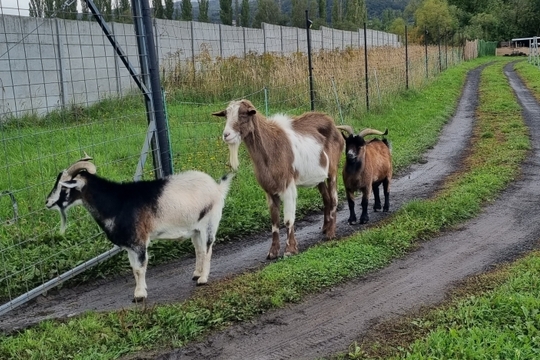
(14, 7)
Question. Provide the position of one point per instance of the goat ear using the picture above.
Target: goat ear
(71, 184)
(222, 113)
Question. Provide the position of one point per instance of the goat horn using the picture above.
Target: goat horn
(368, 131)
(347, 128)
(81, 165)
(86, 157)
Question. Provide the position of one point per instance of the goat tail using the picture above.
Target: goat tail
(225, 184)
(347, 128)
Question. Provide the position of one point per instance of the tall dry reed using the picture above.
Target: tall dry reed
(339, 77)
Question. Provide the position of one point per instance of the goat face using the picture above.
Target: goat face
(239, 124)
(61, 198)
(355, 149)
(66, 190)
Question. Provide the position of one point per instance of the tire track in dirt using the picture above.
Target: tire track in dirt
(171, 282)
(328, 322)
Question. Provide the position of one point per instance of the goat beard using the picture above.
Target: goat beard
(233, 155)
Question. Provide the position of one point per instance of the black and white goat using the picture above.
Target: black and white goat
(368, 164)
(287, 152)
(184, 205)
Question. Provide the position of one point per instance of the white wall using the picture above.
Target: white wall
(49, 63)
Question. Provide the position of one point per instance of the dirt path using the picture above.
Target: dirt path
(172, 282)
(309, 330)
(327, 323)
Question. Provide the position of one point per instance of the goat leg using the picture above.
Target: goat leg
(273, 205)
(350, 201)
(377, 205)
(364, 218)
(386, 192)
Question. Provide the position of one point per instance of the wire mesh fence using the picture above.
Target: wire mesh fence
(66, 91)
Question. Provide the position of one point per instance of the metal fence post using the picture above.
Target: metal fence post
(406, 60)
(311, 90)
(425, 47)
(220, 42)
(244, 35)
(439, 44)
(61, 66)
(264, 37)
(366, 69)
(192, 47)
(157, 95)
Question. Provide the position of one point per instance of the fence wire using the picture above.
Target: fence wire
(64, 91)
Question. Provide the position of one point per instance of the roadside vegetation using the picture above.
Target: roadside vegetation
(113, 334)
(490, 316)
(36, 148)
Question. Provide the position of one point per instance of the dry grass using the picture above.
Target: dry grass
(338, 76)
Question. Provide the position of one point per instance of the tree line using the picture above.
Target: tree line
(490, 20)
(426, 20)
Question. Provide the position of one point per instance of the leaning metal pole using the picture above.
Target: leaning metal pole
(144, 31)
(149, 86)
(311, 89)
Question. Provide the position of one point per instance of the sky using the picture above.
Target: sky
(14, 7)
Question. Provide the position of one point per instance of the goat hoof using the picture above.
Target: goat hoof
(271, 257)
(201, 283)
(137, 300)
(195, 278)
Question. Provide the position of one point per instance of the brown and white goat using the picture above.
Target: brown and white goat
(368, 164)
(287, 152)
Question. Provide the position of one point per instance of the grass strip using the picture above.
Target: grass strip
(110, 335)
(494, 315)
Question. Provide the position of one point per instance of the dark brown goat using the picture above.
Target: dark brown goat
(368, 164)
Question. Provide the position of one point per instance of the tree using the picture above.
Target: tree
(397, 27)
(168, 12)
(203, 11)
(435, 16)
(338, 8)
(410, 10)
(122, 11)
(158, 9)
(356, 13)
(236, 13)
(68, 12)
(49, 8)
(225, 12)
(37, 8)
(298, 12)
(186, 13)
(244, 13)
(321, 16)
(268, 12)
(105, 8)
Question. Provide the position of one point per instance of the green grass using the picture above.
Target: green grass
(109, 335)
(494, 316)
(34, 149)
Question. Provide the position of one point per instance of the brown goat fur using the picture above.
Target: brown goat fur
(368, 164)
(287, 152)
